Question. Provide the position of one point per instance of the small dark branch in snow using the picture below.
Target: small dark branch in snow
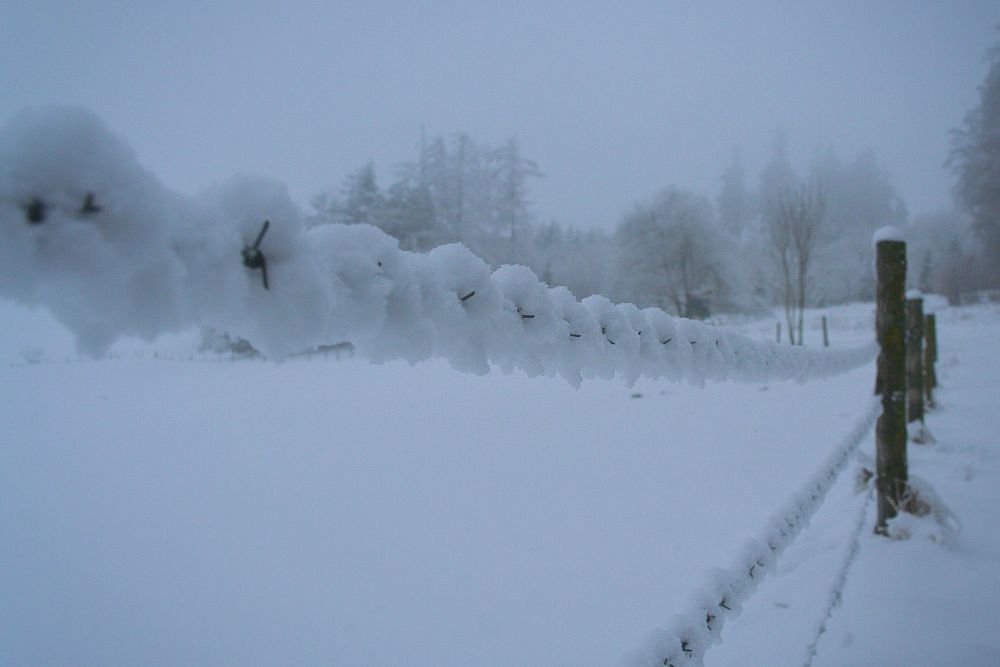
(666, 341)
(685, 647)
(35, 211)
(524, 316)
(708, 620)
(573, 335)
(750, 571)
(468, 296)
(89, 207)
(724, 605)
(604, 330)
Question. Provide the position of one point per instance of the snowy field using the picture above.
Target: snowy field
(164, 507)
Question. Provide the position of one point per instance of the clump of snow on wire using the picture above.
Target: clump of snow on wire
(688, 636)
(96, 239)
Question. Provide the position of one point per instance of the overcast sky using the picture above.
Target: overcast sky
(614, 100)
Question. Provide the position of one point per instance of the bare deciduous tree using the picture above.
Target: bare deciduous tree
(794, 230)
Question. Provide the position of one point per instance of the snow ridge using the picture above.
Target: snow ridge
(93, 237)
(688, 637)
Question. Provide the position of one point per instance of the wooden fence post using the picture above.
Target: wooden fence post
(826, 336)
(890, 430)
(930, 356)
(777, 329)
(915, 364)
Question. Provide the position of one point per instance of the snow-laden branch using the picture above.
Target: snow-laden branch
(99, 241)
(688, 637)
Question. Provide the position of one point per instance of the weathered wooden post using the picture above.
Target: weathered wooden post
(930, 356)
(890, 430)
(915, 363)
(826, 336)
(777, 331)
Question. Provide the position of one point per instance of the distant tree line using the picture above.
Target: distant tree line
(456, 190)
(789, 239)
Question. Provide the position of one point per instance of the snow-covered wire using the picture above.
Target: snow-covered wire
(837, 591)
(684, 642)
(90, 235)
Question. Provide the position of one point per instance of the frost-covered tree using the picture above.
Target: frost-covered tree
(510, 214)
(794, 225)
(734, 202)
(777, 177)
(942, 247)
(587, 262)
(548, 246)
(456, 190)
(671, 255)
(459, 184)
(362, 201)
(408, 215)
(975, 158)
(860, 198)
(857, 198)
(359, 201)
(580, 260)
(951, 279)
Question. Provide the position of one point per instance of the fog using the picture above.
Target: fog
(614, 101)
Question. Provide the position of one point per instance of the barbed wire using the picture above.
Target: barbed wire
(685, 641)
(94, 237)
(837, 592)
(356, 285)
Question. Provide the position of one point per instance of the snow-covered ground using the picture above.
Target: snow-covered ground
(164, 507)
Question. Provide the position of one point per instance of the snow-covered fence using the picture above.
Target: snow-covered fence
(686, 639)
(102, 244)
(900, 333)
(110, 252)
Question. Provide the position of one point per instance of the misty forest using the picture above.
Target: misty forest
(769, 235)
